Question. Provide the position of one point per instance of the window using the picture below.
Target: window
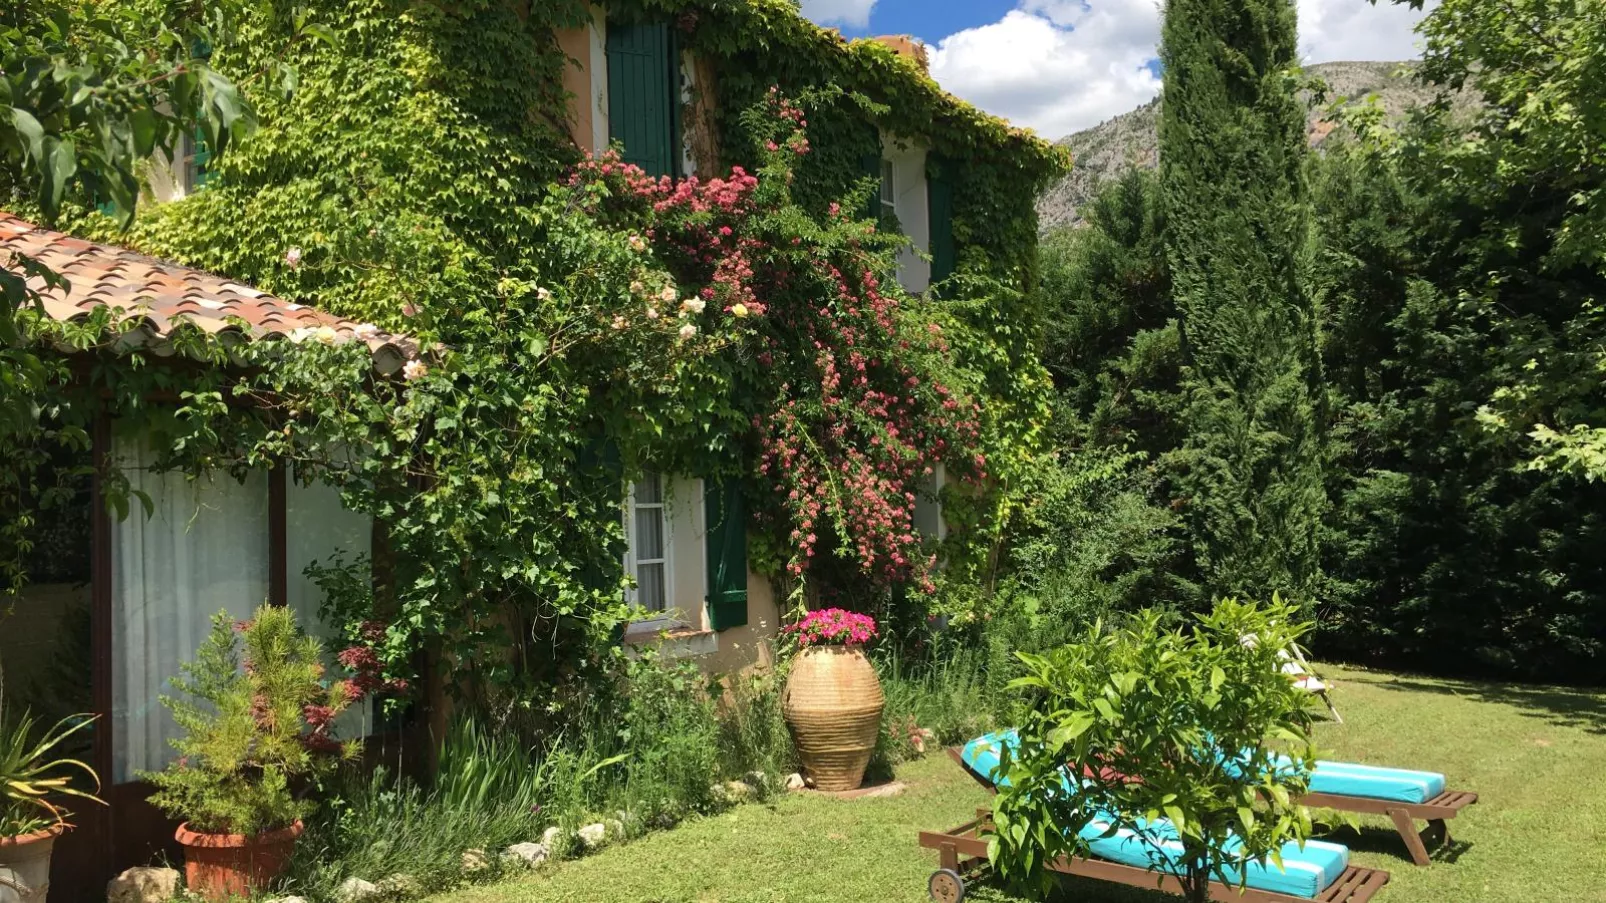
(648, 560)
(889, 192)
(928, 519)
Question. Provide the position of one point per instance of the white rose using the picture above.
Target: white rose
(693, 305)
(667, 295)
(414, 369)
(688, 331)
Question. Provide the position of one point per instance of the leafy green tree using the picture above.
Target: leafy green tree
(1232, 149)
(1522, 195)
(1451, 286)
(1203, 716)
(1112, 341)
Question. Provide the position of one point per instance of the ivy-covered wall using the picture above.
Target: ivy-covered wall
(419, 174)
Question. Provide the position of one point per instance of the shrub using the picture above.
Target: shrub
(256, 723)
(1193, 714)
(31, 781)
(484, 797)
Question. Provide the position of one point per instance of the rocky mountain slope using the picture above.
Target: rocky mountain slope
(1108, 149)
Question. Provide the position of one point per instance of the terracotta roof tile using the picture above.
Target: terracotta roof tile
(164, 294)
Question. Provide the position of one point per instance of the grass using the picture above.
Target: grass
(1536, 756)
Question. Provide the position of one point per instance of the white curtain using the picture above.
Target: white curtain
(316, 526)
(205, 548)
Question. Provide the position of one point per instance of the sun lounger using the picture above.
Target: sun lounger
(1145, 857)
(1405, 796)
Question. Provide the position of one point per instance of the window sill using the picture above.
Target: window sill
(672, 640)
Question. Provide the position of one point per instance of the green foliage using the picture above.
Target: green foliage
(31, 781)
(1444, 548)
(1090, 543)
(942, 698)
(487, 793)
(1202, 714)
(646, 752)
(1113, 338)
(1232, 148)
(409, 181)
(242, 751)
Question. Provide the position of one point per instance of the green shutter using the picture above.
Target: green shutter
(727, 553)
(643, 95)
(871, 166)
(199, 170)
(940, 208)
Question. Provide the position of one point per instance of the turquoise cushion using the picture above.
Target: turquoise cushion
(1305, 873)
(1398, 784)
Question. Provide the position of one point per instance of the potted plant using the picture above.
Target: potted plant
(833, 700)
(30, 820)
(256, 730)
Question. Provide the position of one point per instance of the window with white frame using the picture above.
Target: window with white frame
(649, 548)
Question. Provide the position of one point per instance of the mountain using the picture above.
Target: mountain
(1108, 149)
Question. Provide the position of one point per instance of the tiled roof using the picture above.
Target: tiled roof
(164, 294)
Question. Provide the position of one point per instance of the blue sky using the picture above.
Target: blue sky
(1058, 66)
(931, 20)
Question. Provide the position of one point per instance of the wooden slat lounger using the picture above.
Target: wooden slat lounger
(963, 850)
(1404, 815)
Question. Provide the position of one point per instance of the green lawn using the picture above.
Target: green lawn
(1536, 756)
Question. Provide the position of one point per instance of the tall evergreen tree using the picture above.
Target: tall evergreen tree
(1232, 145)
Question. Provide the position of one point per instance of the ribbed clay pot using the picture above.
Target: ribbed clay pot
(220, 866)
(25, 866)
(833, 704)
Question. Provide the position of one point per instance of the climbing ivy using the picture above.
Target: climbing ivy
(582, 322)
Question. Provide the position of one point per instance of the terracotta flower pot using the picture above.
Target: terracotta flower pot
(219, 866)
(25, 866)
(833, 704)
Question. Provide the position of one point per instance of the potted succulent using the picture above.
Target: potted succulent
(833, 700)
(30, 782)
(256, 729)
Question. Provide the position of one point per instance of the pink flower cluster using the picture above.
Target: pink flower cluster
(856, 426)
(833, 627)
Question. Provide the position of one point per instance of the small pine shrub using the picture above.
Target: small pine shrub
(255, 724)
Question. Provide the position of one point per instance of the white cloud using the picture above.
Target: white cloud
(847, 13)
(1332, 30)
(1058, 66)
(1055, 67)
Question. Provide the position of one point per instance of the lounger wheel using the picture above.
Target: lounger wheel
(945, 886)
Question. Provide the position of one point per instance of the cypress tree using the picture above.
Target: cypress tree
(1232, 147)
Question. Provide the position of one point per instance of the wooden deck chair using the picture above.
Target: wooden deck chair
(962, 852)
(1367, 790)
(1434, 811)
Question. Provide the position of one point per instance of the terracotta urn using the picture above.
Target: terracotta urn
(221, 866)
(25, 866)
(832, 703)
